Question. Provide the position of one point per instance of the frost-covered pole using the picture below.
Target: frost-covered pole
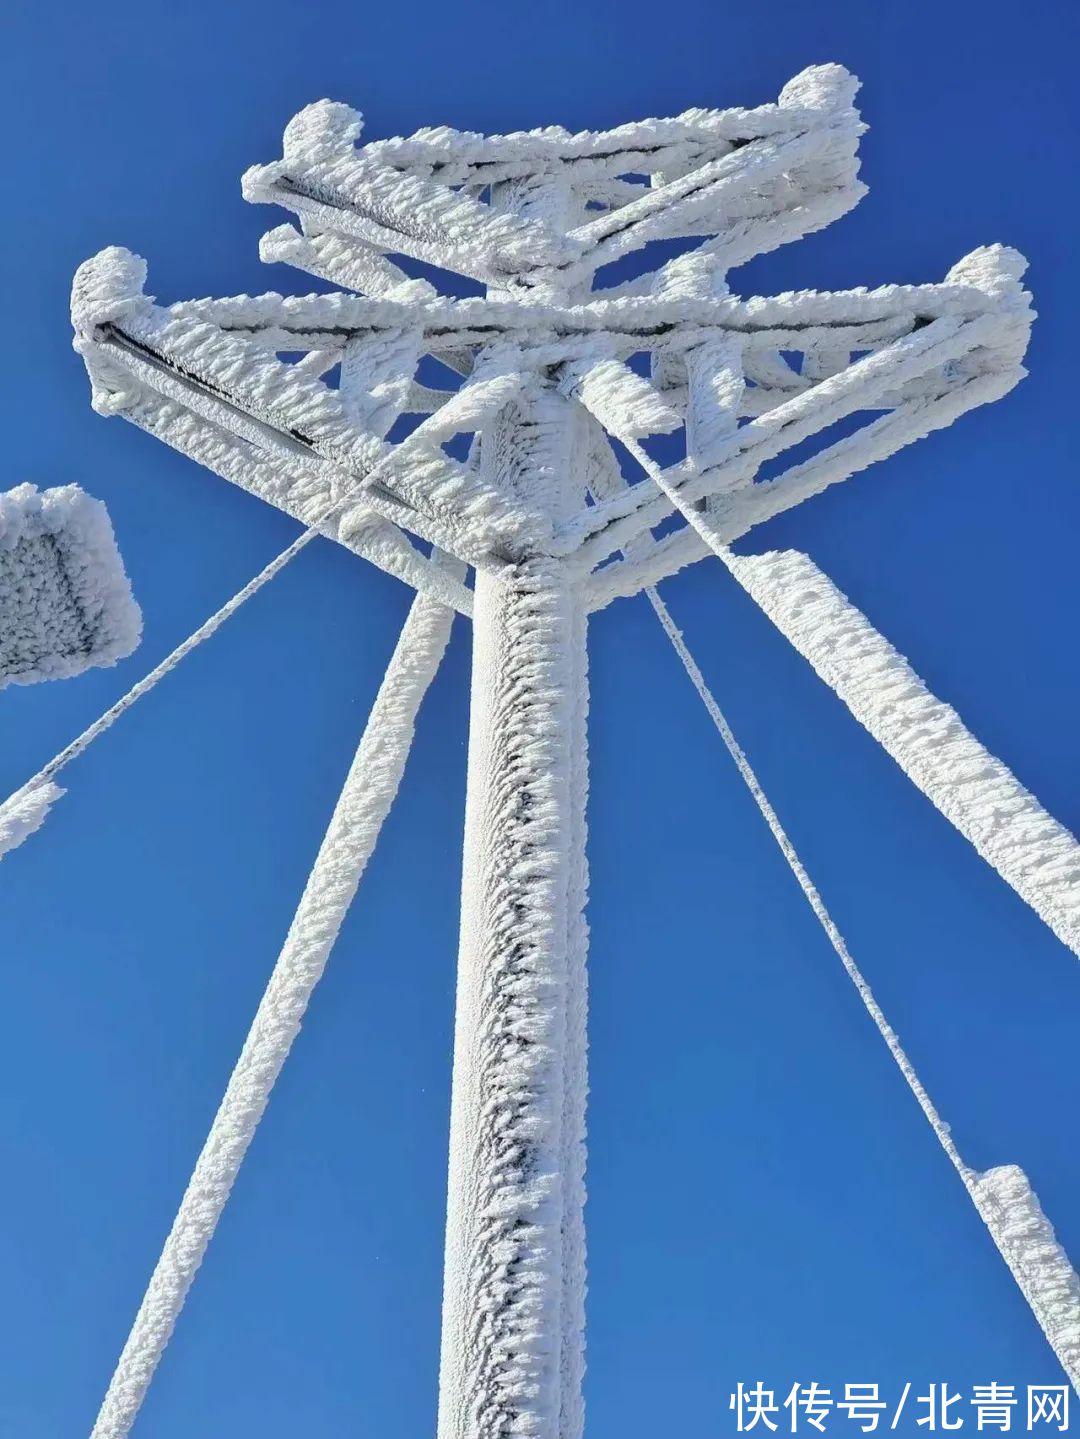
(513, 1305)
(354, 400)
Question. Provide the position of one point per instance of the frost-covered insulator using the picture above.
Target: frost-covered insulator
(1040, 1266)
(65, 601)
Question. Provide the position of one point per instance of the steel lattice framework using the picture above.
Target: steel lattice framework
(565, 441)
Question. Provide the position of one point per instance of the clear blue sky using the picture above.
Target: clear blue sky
(766, 1201)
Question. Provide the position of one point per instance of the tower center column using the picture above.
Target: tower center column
(514, 1286)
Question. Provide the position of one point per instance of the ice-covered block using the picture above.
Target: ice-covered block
(65, 602)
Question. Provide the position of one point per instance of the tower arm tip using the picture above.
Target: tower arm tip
(108, 287)
(821, 87)
(322, 130)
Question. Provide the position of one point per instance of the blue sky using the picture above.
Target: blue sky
(766, 1202)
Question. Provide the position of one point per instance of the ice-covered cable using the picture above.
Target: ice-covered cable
(1005, 823)
(40, 793)
(25, 811)
(369, 790)
(1003, 1197)
(813, 898)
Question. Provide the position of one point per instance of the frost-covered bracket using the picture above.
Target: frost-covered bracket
(65, 602)
(755, 178)
(294, 398)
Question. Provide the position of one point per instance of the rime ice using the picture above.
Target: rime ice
(65, 602)
(540, 376)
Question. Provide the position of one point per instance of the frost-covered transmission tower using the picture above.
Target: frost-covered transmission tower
(441, 437)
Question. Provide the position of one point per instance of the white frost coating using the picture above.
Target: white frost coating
(233, 381)
(762, 174)
(324, 178)
(65, 602)
(715, 389)
(369, 791)
(975, 791)
(1041, 1267)
(514, 1283)
(621, 400)
(1003, 1197)
(571, 1423)
(536, 216)
(733, 515)
(25, 811)
(376, 374)
(502, 1322)
(302, 491)
(953, 345)
(342, 261)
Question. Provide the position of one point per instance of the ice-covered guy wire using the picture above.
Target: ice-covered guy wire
(544, 369)
(1002, 1196)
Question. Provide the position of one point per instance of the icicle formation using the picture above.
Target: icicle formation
(65, 602)
(369, 790)
(1041, 1267)
(25, 811)
(987, 804)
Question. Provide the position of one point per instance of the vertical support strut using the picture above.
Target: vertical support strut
(514, 1283)
(575, 1066)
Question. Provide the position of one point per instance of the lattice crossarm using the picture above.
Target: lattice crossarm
(769, 174)
(240, 385)
(734, 515)
(640, 146)
(324, 179)
(962, 357)
(351, 478)
(291, 485)
(343, 261)
(741, 453)
(700, 201)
